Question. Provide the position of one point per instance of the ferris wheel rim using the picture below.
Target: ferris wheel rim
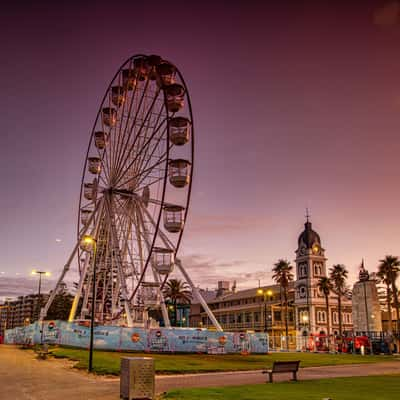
(157, 230)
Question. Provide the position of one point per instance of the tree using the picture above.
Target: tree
(338, 275)
(388, 271)
(177, 291)
(325, 286)
(283, 275)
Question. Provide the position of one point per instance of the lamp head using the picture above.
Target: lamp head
(87, 239)
(260, 291)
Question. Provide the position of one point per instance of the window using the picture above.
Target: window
(302, 270)
(317, 269)
(321, 316)
(335, 317)
(277, 316)
(247, 317)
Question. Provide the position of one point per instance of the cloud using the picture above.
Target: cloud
(207, 272)
(387, 15)
(19, 286)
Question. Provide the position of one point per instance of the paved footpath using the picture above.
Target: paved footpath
(23, 377)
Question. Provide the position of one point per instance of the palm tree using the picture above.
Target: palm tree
(177, 291)
(325, 286)
(282, 275)
(338, 275)
(388, 271)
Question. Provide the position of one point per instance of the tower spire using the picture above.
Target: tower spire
(308, 214)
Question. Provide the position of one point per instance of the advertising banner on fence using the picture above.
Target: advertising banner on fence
(161, 340)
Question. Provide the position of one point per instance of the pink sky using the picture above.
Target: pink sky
(295, 105)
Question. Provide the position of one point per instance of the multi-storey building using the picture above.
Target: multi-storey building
(256, 309)
(307, 313)
(22, 311)
(3, 318)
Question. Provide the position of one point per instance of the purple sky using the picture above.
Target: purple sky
(295, 105)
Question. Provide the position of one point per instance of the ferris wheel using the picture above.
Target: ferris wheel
(135, 194)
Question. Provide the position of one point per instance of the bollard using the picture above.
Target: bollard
(137, 378)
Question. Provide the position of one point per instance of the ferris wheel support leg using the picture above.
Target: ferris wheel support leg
(124, 290)
(199, 296)
(45, 309)
(164, 312)
(78, 292)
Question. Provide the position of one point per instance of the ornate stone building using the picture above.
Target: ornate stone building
(247, 310)
(366, 307)
(310, 305)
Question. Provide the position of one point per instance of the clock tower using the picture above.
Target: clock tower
(311, 316)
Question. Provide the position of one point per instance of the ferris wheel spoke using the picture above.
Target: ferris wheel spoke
(145, 174)
(163, 236)
(137, 154)
(145, 136)
(132, 126)
(151, 183)
(122, 134)
(128, 221)
(149, 157)
(123, 154)
(148, 170)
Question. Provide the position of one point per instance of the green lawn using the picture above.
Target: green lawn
(107, 362)
(356, 388)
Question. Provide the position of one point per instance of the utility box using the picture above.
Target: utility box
(137, 378)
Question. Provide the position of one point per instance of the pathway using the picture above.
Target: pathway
(23, 377)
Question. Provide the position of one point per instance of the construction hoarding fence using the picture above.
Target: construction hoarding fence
(169, 340)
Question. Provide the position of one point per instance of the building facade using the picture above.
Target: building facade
(307, 311)
(22, 311)
(366, 308)
(312, 315)
(257, 309)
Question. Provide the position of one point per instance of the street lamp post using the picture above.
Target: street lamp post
(265, 294)
(304, 320)
(39, 306)
(89, 243)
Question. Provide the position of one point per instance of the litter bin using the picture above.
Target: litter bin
(137, 378)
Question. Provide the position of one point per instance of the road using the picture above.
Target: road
(23, 377)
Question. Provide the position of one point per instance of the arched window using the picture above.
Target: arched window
(335, 317)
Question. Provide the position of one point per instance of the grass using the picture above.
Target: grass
(385, 387)
(107, 362)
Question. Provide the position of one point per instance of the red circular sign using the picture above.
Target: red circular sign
(135, 337)
(222, 340)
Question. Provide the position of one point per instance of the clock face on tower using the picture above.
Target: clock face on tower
(315, 249)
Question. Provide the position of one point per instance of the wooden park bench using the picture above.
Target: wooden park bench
(283, 366)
